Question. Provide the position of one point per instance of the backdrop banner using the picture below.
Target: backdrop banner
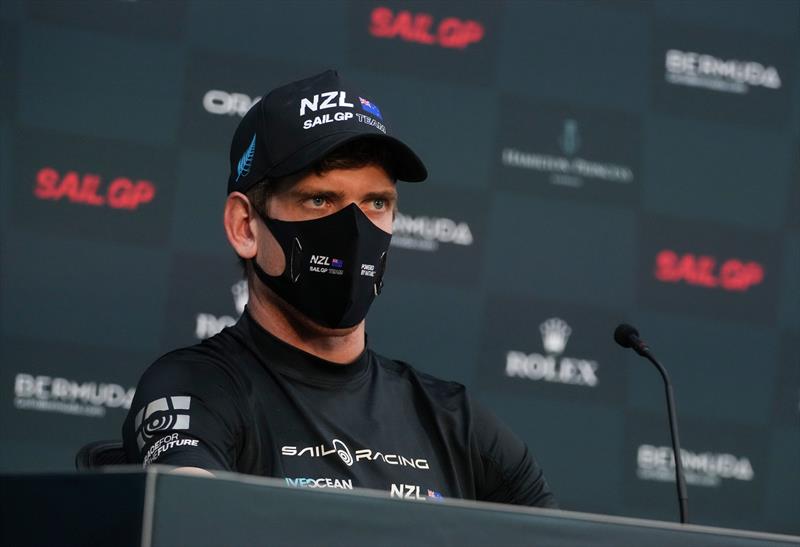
(590, 163)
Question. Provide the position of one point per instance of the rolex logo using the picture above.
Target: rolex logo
(555, 333)
(570, 139)
(240, 295)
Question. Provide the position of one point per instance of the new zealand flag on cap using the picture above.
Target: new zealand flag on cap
(371, 108)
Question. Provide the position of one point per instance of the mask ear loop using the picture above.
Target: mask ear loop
(296, 261)
(296, 255)
(377, 286)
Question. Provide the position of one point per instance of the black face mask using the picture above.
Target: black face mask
(334, 265)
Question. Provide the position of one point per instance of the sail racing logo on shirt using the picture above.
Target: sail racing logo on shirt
(551, 366)
(208, 324)
(425, 233)
(339, 449)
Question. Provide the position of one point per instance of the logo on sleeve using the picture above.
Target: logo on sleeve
(164, 444)
(161, 415)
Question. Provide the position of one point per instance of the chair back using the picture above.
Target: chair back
(99, 453)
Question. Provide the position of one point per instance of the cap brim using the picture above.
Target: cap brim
(406, 164)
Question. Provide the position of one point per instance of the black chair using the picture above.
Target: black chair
(99, 453)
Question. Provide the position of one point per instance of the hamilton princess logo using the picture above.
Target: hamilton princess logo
(570, 139)
(552, 366)
(568, 169)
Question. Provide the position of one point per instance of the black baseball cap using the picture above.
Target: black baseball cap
(297, 124)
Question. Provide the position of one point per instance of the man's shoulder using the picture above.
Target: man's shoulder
(443, 389)
(210, 357)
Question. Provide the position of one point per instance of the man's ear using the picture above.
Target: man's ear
(239, 223)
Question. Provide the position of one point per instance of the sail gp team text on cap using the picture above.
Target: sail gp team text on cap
(338, 99)
(296, 125)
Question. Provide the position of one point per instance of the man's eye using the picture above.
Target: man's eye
(318, 201)
(379, 203)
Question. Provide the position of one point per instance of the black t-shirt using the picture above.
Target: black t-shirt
(245, 401)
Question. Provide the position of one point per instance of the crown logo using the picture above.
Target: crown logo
(555, 333)
(570, 138)
(240, 295)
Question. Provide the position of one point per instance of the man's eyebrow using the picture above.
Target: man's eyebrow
(388, 195)
(306, 193)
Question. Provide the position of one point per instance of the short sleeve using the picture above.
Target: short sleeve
(509, 473)
(185, 413)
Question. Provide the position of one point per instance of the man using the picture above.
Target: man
(291, 390)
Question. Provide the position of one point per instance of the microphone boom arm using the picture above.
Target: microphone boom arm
(683, 497)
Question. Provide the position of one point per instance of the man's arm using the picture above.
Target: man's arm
(509, 473)
(192, 471)
(184, 414)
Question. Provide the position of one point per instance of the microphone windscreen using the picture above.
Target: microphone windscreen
(623, 334)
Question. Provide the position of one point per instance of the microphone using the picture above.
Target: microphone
(628, 337)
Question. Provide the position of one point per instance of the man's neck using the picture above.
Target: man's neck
(341, 346)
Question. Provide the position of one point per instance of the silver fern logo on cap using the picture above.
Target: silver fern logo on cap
(246, 161)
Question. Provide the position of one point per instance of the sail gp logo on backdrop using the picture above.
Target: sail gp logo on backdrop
(732, 275)
(550, 366)
(120, 193)
(422, 28)
(208, 324)
(339, 449)
(423, 233)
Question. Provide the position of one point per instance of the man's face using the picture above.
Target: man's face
(316, 196)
